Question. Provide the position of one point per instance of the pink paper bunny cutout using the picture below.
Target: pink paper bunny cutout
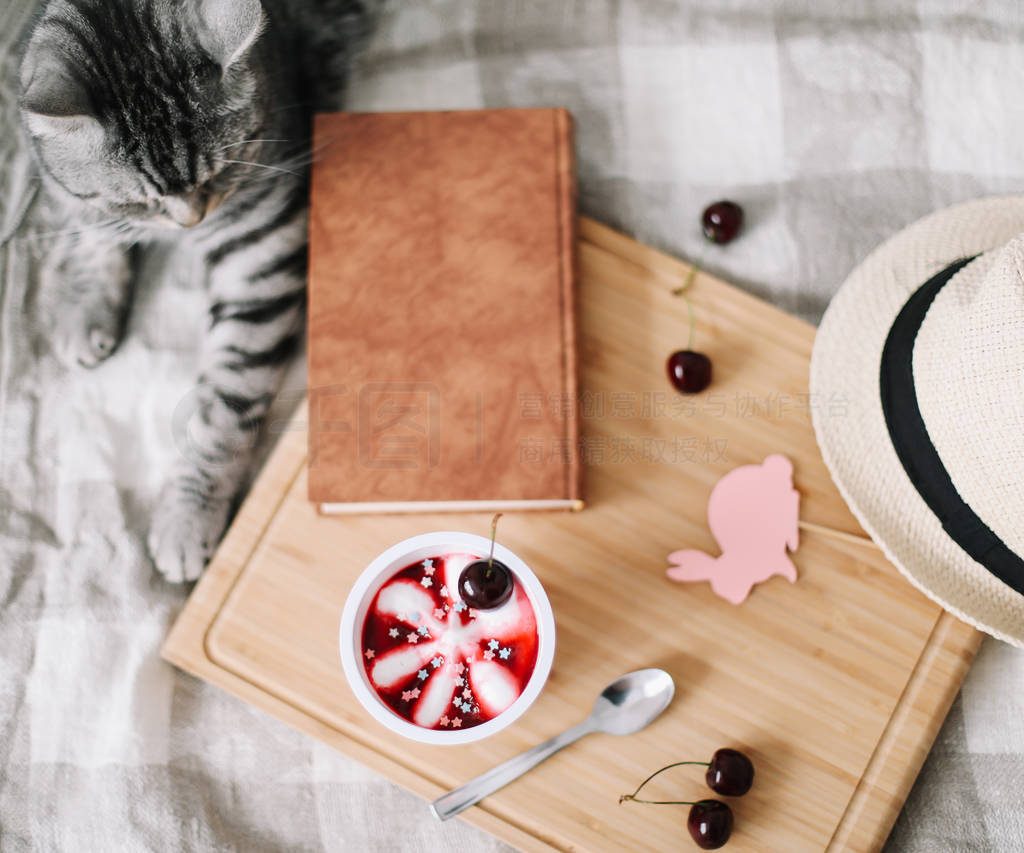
(753, 514)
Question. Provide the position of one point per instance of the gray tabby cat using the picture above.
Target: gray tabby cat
(187, 118)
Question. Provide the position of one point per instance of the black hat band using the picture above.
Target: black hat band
(914, 446)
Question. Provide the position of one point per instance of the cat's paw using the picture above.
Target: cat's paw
(86, 335)
(184, 533)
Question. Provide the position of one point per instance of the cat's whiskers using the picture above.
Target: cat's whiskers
(309, 156)
(248, 142)
(263, 166)
(288, 165)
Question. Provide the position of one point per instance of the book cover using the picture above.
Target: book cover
(442, 329)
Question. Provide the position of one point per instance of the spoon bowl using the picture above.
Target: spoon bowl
(633, 701)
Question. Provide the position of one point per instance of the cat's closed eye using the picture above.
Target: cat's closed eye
(133, 209)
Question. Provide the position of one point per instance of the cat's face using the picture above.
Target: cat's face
(136, 106)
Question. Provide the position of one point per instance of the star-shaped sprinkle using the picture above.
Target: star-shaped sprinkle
(415, 693)
(444, 591)
(504, 653)
(427, 582)
(422, 630)
(406, 695)
(401, 617)
(413, 637)
(428, 563)
(438, 614)
(460, 606)
(459, 682)
(393, 632)
(488, 655)
(445, 720)
(493, 644)
(457, 701)
(414, 616)
(369, 654)
(460, 668)
(422, 675)
(466, 707)
(436, 662)
(467, 694)
(457, 723)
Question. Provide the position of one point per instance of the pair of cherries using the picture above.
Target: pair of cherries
(689, 371)
(730, 773)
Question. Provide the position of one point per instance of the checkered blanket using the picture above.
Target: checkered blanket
(832, 123)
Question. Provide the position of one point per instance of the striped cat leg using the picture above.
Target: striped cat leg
(90, 282)
(257, 311)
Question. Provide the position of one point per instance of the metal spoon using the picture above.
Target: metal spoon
(625, 706)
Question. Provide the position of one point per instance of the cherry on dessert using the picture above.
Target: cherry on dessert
(485, 584)
(730, 773)
(710, 823)
(722, 221)
(689, 371)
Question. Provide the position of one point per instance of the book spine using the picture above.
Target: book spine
(569, 276)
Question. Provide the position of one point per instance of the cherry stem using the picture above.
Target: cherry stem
(681, 291)
(633, 796)
(494, 533)
(628, 797)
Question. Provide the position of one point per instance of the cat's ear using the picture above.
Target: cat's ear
(231, 27)
(53, 101)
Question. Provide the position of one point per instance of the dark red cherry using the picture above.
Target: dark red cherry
(722, 221)
(485, 584)
(710, 823)
(689, 371)
(730, 773)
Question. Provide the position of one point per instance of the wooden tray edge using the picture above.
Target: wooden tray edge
(673, 271)
(885, 785)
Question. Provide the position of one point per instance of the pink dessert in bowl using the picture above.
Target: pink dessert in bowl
(428, 665)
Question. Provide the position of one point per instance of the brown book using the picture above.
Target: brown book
(442, 331)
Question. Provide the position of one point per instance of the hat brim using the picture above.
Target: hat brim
(850, 424)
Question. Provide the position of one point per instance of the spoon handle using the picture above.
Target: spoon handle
(473, 791)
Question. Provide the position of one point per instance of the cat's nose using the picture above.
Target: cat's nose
(187, 209)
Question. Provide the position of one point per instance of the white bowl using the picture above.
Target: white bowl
(380, 571)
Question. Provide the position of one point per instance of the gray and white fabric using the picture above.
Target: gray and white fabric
(832, 124)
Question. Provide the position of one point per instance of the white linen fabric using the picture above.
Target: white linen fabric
(834, 125)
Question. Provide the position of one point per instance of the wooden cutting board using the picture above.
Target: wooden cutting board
(836, 685)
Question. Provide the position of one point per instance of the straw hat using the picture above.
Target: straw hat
(917, 392)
